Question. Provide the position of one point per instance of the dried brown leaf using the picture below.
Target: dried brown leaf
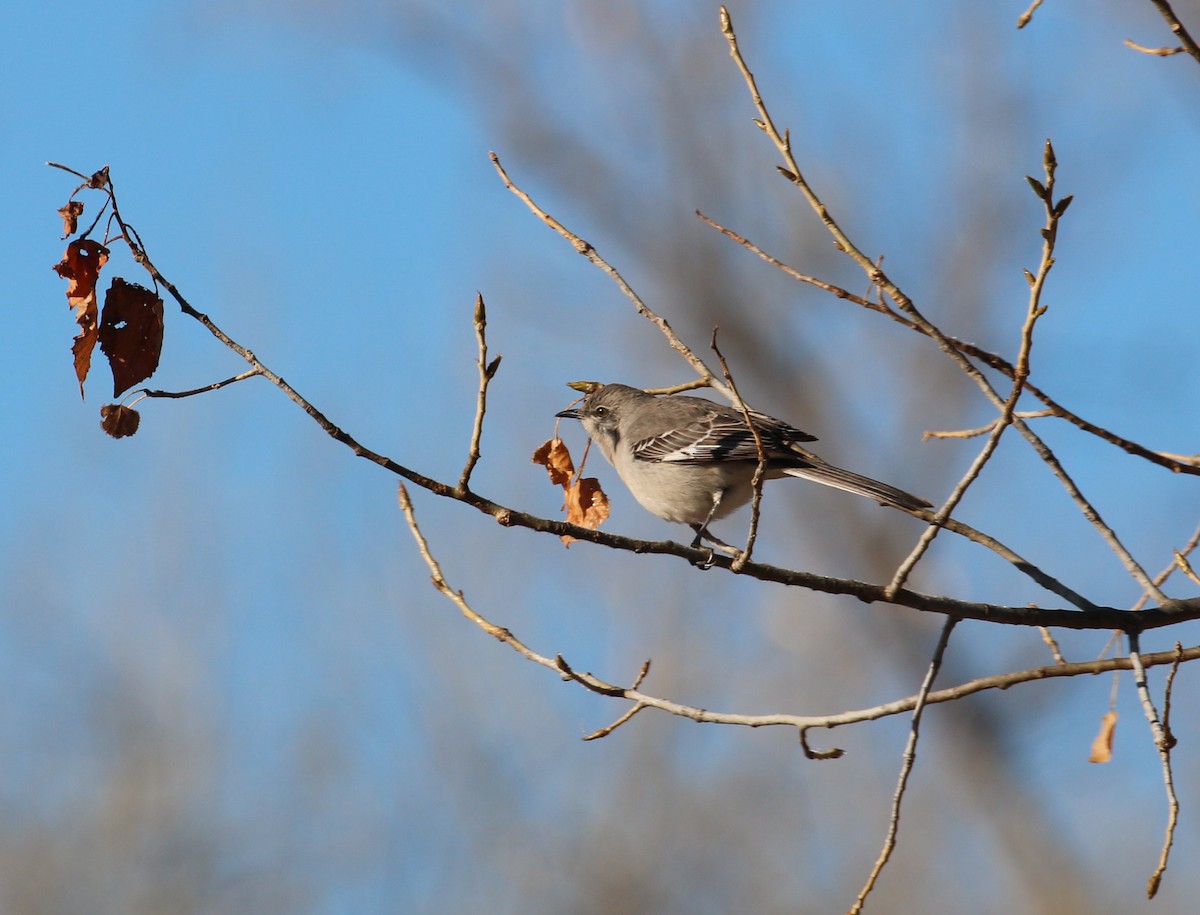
(119, 420)
(1102, 745)
(586, 504)
(81, 265)
(555, 457)
(70, 214)
(131, 333)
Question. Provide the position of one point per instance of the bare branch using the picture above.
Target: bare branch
(1052, 644)
(1163, 745)
(1157, 52)
(1170, 568)
(983, 430)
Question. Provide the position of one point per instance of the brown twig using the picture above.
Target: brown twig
(1052, 644)
(147, 392)
(1163, 746)
(756, 482)
(1035, 309)
(1025, 17)
(982, 430)
(1185, 38)
(693, 385)
(1157, 52)
(1171, 567)
(487, 371)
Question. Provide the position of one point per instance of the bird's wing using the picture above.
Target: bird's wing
(720, 436)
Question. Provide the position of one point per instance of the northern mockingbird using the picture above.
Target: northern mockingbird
(689, 460)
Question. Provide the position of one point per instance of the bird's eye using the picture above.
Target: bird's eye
(601, 411)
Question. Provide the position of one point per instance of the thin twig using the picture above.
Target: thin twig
(1163, 746)
(1171, 567)
(587, 250)
(1185, 39)
(906, 767)
(1157, 52)
(251, 373)
(756, 482)
(487, 371)
(981, 430)
(1035, 309)
(608, 729)
(1052, 644)
(1023, 19)
(693, 385)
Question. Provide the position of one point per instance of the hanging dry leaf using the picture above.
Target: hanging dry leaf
(81, 266)
(586, 504)
(555, 457)
(119, 420)
(131, 333)
(1102, 745)
(70, 214)
(584, 500)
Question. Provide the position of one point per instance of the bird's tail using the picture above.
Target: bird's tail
(829, 475)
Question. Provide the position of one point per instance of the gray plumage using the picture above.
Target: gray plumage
(690, 460)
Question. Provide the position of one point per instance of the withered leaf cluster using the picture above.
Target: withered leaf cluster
(129, 329)
(585, 502)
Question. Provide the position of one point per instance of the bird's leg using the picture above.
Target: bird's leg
(703, 533)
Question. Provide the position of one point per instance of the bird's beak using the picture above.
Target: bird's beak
(569, 414)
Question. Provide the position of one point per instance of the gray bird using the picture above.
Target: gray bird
(689, 460)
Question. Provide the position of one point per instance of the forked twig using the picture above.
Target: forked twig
(1185, 38)
(1035, 309)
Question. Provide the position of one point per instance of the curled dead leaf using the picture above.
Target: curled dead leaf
(554, 456)
(586, 504)
(584, 500)
(119, 420)
(1103, 744)
(70, 214)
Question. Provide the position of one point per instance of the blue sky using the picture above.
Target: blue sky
(226, 607)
